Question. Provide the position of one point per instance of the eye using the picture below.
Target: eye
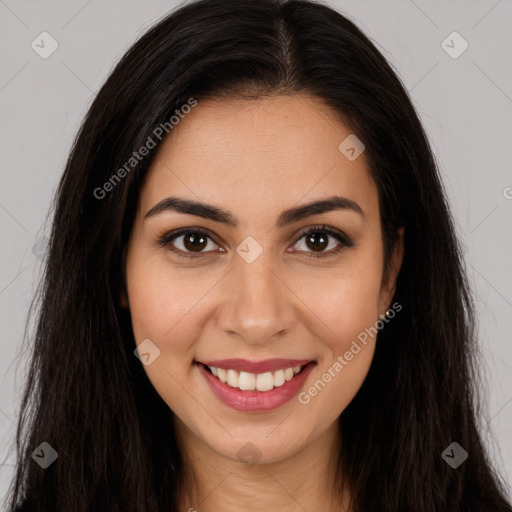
(317, 239)
(190, 241)
(193, 242)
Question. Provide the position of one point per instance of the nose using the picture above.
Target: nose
(259, 304)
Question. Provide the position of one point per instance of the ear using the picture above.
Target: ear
(123, 292)
(123, 298)
(390, 277)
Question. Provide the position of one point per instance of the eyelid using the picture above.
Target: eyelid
(344, 240)
(167, 238)
(335, 232)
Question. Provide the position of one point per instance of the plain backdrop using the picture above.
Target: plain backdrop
(464, 101)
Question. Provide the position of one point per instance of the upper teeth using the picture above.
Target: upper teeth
(250, 381)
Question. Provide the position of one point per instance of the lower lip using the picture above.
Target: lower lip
(256, 401)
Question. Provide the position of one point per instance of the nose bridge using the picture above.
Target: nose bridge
(259, 304)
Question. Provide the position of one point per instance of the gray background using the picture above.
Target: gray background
(464, 103)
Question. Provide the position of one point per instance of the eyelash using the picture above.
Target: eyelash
(345, 242)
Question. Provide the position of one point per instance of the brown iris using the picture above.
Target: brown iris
(317, 240)
(195, 242)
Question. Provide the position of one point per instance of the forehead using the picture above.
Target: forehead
(258, 153)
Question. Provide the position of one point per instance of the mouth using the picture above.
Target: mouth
(252, 392)
(247, 381)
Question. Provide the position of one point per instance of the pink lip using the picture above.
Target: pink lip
(244, 365)
(256, 401)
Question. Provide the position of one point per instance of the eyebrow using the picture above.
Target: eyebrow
(218, 214)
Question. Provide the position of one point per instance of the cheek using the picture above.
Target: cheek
(163, 306)
(348, 304)
(161, 299)
(162, 310)
(346, 352)
(347, 300)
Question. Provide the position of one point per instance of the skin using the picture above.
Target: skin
(257, 158)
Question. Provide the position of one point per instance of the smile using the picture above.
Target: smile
(255, 386)
(250, 381)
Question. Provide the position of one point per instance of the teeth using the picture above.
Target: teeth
(223, 374)
(265, 381)
(279, 378)
(246, 381)
(251, 381)
(233, 376)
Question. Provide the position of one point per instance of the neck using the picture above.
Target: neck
(303, 481)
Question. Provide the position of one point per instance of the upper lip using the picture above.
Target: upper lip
(268, 365)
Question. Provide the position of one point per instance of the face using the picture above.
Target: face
(241, 285)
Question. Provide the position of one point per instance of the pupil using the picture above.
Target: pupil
(314, 241)
(322, 241)
(196, 241)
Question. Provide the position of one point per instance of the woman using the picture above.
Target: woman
(253, 296)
